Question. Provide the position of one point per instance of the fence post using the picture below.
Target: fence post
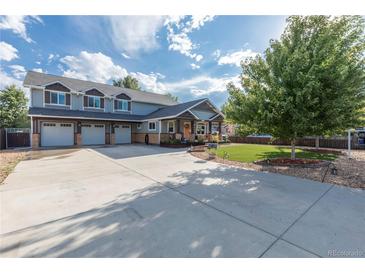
(349, 143)
(6, 138)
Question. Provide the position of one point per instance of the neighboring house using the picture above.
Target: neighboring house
(72, 112)
(229, 129)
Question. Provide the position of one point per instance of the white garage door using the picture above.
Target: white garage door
(93, 134)
(122, 134)
(57, 134)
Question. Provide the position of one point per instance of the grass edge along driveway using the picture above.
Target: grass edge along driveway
(249, 153)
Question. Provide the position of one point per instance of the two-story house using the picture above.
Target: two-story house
(72, 112)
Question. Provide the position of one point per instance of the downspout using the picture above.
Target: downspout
(31, 131)
(159, 132)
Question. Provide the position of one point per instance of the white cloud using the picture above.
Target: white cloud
(194, 66)
(196, 86)
(197, 21)
(150, 82)
(126, 56)
(52, 57)
(216, 54)
(199, 57)
(38, 62)
(7, 52)
(17, 24)
(178, 34)
(235, 58)
(18, 71)
(7, 80)
(202, 85)
(92, 66)
(38, 70)
(181, 42)
(133, 34)
(100, 68)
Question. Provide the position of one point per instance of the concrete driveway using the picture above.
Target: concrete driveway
(147, 201)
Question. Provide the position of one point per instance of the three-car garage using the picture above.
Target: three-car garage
(61, 133)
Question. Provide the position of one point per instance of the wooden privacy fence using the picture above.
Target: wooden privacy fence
(17, 137)
(2, 138)
(310, 142)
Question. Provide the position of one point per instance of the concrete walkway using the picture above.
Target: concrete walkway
(147, 201)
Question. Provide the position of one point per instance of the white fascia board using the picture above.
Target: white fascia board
(84, 118)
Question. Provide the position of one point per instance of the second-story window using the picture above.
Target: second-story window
(122, 105)
(93, 102)
(57, 98)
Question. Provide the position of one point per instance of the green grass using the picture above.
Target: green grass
(249, 153)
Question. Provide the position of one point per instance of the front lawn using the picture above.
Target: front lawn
(248, 153)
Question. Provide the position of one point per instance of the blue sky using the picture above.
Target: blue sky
(189, 56)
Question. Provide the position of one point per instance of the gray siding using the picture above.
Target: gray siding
(76, 102)
(144, 128)
(37, 97)
(177, 130)
(143, 108)
(203, 114)
(108, 104)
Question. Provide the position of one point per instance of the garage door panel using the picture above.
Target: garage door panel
(122, 134)
(57, 134)
(93, 134)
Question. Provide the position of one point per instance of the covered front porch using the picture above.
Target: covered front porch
(199, 125)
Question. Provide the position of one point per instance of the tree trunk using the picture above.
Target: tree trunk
(292, 149)
(317, 142)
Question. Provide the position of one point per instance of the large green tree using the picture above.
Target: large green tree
(309, 82)
(127, 82)
(13, 108)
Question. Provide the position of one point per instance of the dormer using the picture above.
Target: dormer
(122, 102)
(94, 99)
(57, 94)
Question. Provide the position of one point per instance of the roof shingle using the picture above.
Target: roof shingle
(40, 79)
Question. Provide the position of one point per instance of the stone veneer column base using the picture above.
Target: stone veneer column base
(35, 140)
(78, 139)
(112, 138)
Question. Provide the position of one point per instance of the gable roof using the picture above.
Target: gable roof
(173, 111)
(41, 79)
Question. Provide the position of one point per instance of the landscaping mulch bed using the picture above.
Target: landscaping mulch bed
(292, 162)
(350, 172)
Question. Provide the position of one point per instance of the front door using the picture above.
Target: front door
(187, 130)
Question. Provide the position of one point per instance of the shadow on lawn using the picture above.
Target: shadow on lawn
(284, 153)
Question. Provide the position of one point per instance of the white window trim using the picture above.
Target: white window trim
(205, 128)
(58, 99)
(88, 96)
(173, 126)
(148, 126)
(217, 124)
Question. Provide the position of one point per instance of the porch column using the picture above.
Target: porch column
(210, 128)
(178, 130)
(192, 127)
